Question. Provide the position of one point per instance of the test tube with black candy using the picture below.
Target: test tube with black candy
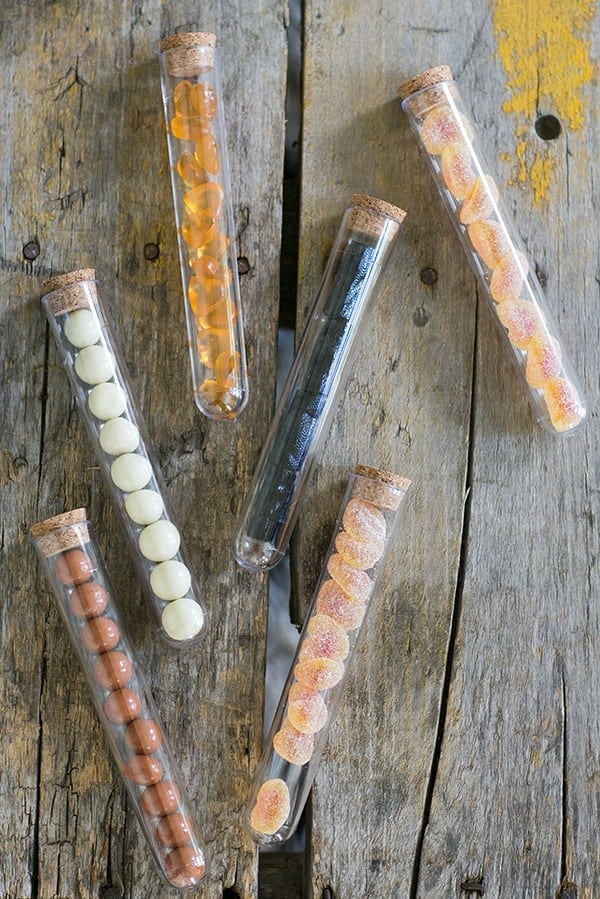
(362, 247)
(362, 536)
(448, 140)
(193, 103)
(76, 571)
(103, 393)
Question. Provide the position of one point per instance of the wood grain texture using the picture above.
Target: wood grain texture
(84, 176)
(466, 750)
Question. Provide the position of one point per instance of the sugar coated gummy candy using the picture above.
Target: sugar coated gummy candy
(457, 171)
(489, 242)
(293, 746)
(319, 674)
(331, 600)
(364, 520)
(307, 711)
(564, 404)
(272, 806)
(439, 129)
(520, 319)
(479, 204)
(353, 582)
(508, 276)
(543, 360)
(363, 554)
(324, 639)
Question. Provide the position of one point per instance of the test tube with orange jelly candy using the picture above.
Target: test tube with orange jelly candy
(446, 135)
(193, 102)
(362, 536)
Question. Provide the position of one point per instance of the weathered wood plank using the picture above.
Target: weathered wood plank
(85, 175)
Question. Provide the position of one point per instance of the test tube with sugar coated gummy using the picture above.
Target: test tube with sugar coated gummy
(362, 536)
(103, 393)
(76, 571)
(316, 379)
(193, 103)
(447, 137)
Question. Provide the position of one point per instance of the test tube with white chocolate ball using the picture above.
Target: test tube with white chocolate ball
(104, 395)
(448, 140)
(76, 571)
(197, 141)
(362, 536)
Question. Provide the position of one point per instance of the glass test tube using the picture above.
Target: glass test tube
(193, 103)
(362, 535)
(102, 389)
(74, 567)
(446, 135)
(317, 376)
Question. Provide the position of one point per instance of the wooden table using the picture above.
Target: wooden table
(465, 757)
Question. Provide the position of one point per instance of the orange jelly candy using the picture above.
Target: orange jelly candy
(364, 520)
(307, 711)
(543, 360)
(361, 554)
(507, 279)
(227, 368)
(198, 231)
(193, 128)
(441, 128)
(325, 640)
(217, 245)
(291, 745)
(211, 343)
(205, 295)
(219, 398)
(346, 610)
(457, 171)
(195, 99)
(319, 674)
(521, 320)
(205, 199)
(189, 170)
(480, 202)
(206, 153)
(209, 267)
(489, 242)
(353, 582)
(564, 405)
(272, 806)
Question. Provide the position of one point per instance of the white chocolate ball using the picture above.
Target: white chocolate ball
(145, 507)
(82, 328)
(131, 472)
(119, 436)
(182, 619)
(94, 365)
(170, 580)
(159, 541)
(107, 401)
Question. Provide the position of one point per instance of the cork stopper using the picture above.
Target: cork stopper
(386, 489)
(71, 291)
(61, 532)
(187, 55)
(425, 79)
(366, 215)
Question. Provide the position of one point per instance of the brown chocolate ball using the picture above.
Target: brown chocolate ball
(160, 799)
(174, 830)
(112, 670)
(185, 867)
(73, 567)
(143, 736)
(143, 770)
(100, 634)
(122, 706)
(88, 600)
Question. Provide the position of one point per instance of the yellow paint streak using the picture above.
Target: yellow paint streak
(544, 48)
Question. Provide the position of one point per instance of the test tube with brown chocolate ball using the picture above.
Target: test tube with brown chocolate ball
(193, 103)
(105, 398)
(448, 140)
(76, 571)
(362, 536)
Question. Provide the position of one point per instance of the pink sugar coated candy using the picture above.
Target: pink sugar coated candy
(307, 712)
(353, 583)
(521, 320)
(364, 521)
(291, 745)
(361, 554)
(480, 202)
(508, 276)
(439, 129)
(564, 404)
(543, 360)
(319, 674)
(324, 639)
(457, 172)
(346, 610)
(489, 242)
(271, 808)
